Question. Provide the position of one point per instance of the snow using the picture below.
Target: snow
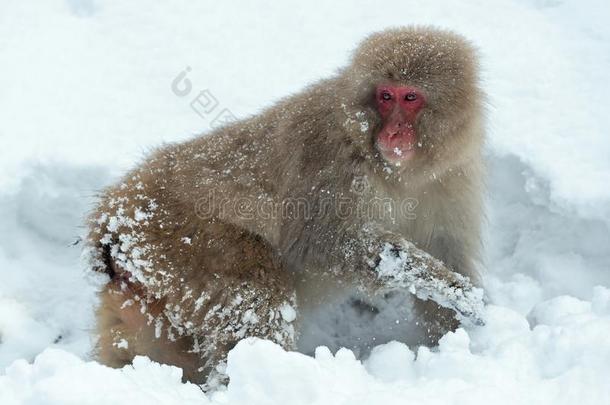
(404, 269)
(87, 90)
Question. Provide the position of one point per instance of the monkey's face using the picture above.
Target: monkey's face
(416, 91)
(399, 108)
(423, 124)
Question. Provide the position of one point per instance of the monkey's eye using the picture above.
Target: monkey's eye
(411, 97)
(386, 96)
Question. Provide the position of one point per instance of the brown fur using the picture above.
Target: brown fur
(198, 278)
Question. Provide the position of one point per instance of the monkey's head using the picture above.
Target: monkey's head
(415, 100)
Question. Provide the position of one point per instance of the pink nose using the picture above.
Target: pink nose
(396, 125)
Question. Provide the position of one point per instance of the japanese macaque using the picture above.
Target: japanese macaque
(362, 184)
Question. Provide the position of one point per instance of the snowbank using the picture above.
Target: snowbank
(562, 359)
(86, 90)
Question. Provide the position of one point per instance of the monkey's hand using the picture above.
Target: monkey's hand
(403, 265)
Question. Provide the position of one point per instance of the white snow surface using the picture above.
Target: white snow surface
(85, 91)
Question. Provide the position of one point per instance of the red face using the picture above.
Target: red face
(399, 107)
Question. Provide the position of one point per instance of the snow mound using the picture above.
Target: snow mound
(59, 377)
(561, 359)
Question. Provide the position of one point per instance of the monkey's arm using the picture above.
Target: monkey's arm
(400, 264)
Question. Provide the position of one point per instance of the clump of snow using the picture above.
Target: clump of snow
(86, 87)
(288, 312)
